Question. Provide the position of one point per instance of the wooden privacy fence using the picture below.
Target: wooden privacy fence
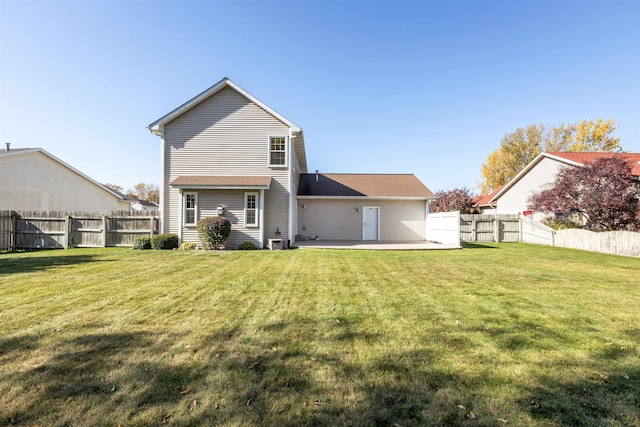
(625, 243)
(520, 228)
(52, 230)
(490, 228)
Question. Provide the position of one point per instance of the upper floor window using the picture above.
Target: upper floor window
(190, 208)
(277, 151)
(251, 209)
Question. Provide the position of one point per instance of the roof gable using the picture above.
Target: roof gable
(363, 185)
(295, 131)
(21, 151)
(225, 82)
(568, 158)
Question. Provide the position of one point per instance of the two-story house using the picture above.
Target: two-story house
(225, 152)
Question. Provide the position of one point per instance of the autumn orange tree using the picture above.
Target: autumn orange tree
(145, 191)
(520, 147)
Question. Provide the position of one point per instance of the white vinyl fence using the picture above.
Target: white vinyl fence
(536, 232)
(443, 227)
(625, 243)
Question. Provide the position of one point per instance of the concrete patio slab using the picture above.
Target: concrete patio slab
(420, 245)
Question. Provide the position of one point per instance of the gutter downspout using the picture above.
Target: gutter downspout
(162, 179)
(291, 195)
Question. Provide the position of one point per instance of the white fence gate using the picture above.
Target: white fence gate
(443, 227)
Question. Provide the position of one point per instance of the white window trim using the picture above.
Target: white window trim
(256, 209)
(286, 151)
(184, 209)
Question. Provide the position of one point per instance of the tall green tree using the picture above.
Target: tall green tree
(520, 147)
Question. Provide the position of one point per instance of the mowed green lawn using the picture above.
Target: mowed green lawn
(490, 335)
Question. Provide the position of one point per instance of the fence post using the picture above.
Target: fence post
(496, 229)
(152, 224)
(520, 229)
(474, 231)
(67, 231)
(12, 230)
(104, 229)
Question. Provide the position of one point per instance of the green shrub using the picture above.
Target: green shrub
(187, 246)
(142, 242)
(164, 241)
(561, 223)
(213, 231)
(247, 246)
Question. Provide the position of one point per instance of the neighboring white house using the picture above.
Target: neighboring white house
(31, 179)
(142, 205)
(225, 152)
(540, 174)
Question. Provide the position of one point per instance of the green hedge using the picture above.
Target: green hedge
(247, 246)
(142, 242)
(213, 231)
(164, 241)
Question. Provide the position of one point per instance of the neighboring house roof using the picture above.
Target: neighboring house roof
(156, 127)
(19, 151)
(222, 182)
(485, 200)
(569, 158)
(584, 158)
(145, 203)
(362, 185)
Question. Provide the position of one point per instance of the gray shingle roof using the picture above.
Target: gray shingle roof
(362, 185)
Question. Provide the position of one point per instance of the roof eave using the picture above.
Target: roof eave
(220, 187)
(307, 197)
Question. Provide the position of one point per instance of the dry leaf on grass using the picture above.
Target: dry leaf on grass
(472, 415)
(502, 420)
(166, 419)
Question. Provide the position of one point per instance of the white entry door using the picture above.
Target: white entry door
(370, 223)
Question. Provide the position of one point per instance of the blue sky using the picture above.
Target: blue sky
(425, 87)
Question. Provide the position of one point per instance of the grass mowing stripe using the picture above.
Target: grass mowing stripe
(532, 335)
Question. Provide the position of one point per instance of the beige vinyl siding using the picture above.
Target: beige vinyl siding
(332, 219)
(233, 202)
(516, 199)
(34, 181)
(225, 134)
(402, 220)
(295, 180)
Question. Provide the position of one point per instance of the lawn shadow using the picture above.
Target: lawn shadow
(466, 245)
(302, 371)
(26, 265)
(597, 400)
